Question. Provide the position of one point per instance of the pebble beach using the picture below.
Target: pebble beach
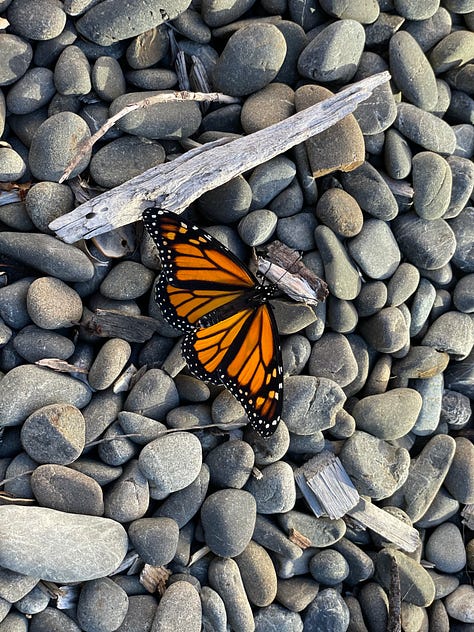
(134, 497)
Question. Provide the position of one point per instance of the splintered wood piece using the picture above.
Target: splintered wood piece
(468, 516)
(299, 539)
(394, 623)
(154, 578)
(111, 323)
(174, 185)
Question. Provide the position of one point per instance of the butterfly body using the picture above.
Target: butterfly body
(231, 334)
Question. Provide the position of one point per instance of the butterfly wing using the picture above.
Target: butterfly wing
(243, 353)
(199, 275)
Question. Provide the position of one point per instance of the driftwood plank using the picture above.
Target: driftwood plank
(174, 185)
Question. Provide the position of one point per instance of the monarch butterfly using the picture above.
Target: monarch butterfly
(231, 334)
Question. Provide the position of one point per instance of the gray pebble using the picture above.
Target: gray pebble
(172, 461)
(34, 343)
(402, 285)
(18, 474)
(172, 121)
(218, 14)
(101, 412)
(295, 352)
(143, 428)
(272, 538)
(443, 507)
(422, 303)
(62, 488)
(462, 226)
(296, 593)
(380, 476)
(228, 202)
(182, 505)
(455, 409)
(297, 231)
(72, 72)
(27, 388)
(154, 539)
(332, 358)
(386, 331)
(225, 579)
(140, 614)
(107, 78)
(14, 216)
(311, 403)
(250, 60)
(179, 608)
(342, 316)
(102, 605)
(371, 298)
(16, 54)
(14, 586)
(228, 520)
(127, 280)
(269, 179)
(432, 185)
(463, 182)
(329, 567)
(100, 472)
(230, 464)
(373, 602)
(453, 333)
(412, 71)
(416, 585)
(425, 129)
(108, 364)
(258, 574)
(390, 415)
(272, 104)
(397, 155)
(56, 143)
(46, 201)
(190, 24)
(454, 50)
(321, 532)
(154, 394)
(340, 212)
(377, 113)
(375, 250)
(34, 90)
(427, 244)
(275, 617)
(459, 605)
(12, 165)
(327, 612)
(445, 548)
(420, 362)
(257, 227)
(40, 20)
(275, 491)
(116, 449)
(341, 274)
(52, 304)
(460, 477)
(318, 61)
(214, 616)
(35, 601)
(431, 391)
(370, 191)
(148, 48)
(429, 31)
(54, 434)
(61, 547)
(128, 497)
(463, 294)
(123, 159)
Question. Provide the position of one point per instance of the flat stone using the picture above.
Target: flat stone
(416, 585)
(258, 574)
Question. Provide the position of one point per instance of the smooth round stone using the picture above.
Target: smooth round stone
(148, 48)
(127, 280)
(72, 73)
(272, 104)
(190, 25)
(311, 403)
(61, 547)
(228, 202)
(380, 476)
(275, 617)
(462, 226)
(27, 388)
(128, 497)
(463, 182)
(332, 358)
(189, 416)
(297, 232)
(14, 215)
(415, 583)
(115, 449)
(230, 464)
(425, 129)
(377, 113)
(341, 275)
(427, 475)
(428, 244)
(454, 50)
(172, 121)
(373, 603)
(56, 143)
(100, 472)
(361, 566)
(390, 415)
(340, 147)
(453, 333)
(371, 298)
(328, 611)
(220, 13)
(269, 179)
(422, 10)
(421, 306)
(370, 191)
(172, 461)
(154, 539)
(123, 159)
(296, 593)
(179, 608)
(12, 166)
(258, 574)
(459, 604)
(34, 90)
(102, 605)
(46, 201)
(455, 409)
(460, 477)
(340, 212)
(214, 615)
(181, 506)
(275, 491)
(463, 294)
(429, 31)
(320, 62)
(342, 316)
(224, 577)
(18, 476)
(16, 55)
(322, 532)
(386, 331)
(34, 343)
(445, 548)
(402, 285)
(420, 362)
(107, 78)
(432, 185)
(115, 20)
(397, 155)
(52, 304)
(272, 538)
(36, 19)
(228, 521)
(62, 488)
(52, 620)
(329, 567)
(412, 71)
(140, 614)
(13, 303)
(268, 449)
(155, 393)
(250, 60)
(191, 389)
(101, 412)
(295, 351)
(375, 250)
(364, 11)
(109, 363)
(431, 390)
(47, 254)
(257, 227)
(54, 434)
(443, 507)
